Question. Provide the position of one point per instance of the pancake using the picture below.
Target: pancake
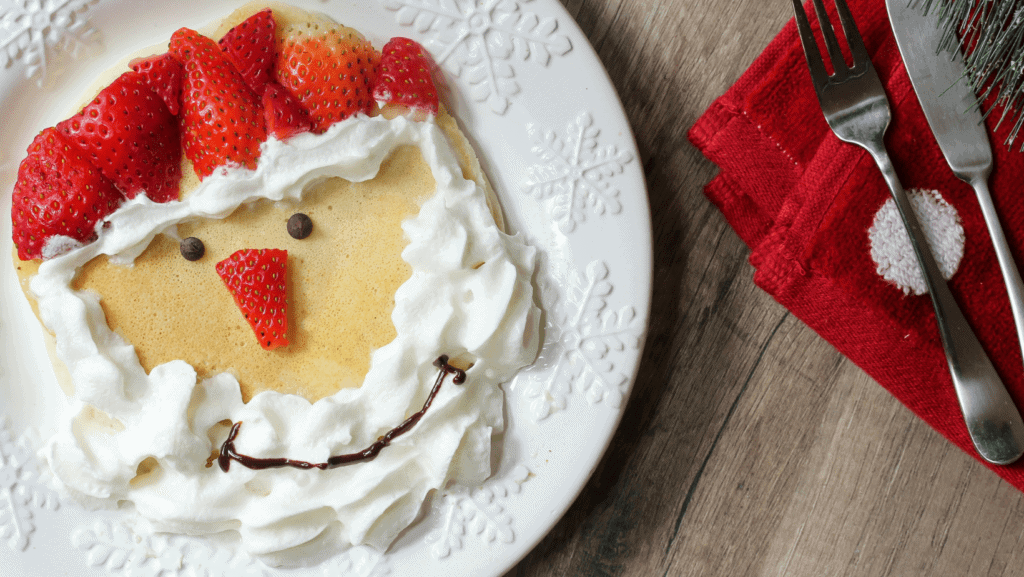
(341, 280)
(407, 279)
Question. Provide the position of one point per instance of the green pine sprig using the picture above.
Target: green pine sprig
(991, 35)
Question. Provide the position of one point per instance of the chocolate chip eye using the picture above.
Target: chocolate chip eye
(192, 248)
(300, 226)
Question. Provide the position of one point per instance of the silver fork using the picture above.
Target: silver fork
(856, 108)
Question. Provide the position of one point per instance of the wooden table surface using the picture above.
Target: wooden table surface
(750, 446)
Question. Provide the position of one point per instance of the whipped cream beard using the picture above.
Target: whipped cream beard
(162, 428)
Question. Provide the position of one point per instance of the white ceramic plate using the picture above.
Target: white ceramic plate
(551, 133)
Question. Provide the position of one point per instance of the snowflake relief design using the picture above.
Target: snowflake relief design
(357, 562)
(201, 560)
(577, 173)
(582, 337)
(120, 550)
(29, 29)
(476, 39)
(22, 492)
(478, 512)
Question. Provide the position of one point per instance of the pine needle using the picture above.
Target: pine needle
(991, 35)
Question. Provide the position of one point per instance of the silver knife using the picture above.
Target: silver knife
(949, 104)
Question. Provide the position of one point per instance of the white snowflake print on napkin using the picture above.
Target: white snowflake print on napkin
(476, 39)
(22, 492)
(29, 29)
(577, 173)
(583, 339)
(894, 256)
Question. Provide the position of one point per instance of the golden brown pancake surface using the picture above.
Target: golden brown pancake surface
(341, 285)
(341, 280)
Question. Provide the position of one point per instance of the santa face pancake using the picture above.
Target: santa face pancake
(405, 299)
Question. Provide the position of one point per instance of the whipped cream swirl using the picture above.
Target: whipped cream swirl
(168, 420)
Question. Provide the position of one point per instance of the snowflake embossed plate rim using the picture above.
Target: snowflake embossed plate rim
(548, 126)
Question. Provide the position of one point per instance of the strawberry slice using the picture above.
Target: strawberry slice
(256, 278)
(130, 135)
(251, 47)
(222, 120)
(330, 69)
(162, 73)
(284, 114)
(58, 192)
(221, 117)
(404, 76)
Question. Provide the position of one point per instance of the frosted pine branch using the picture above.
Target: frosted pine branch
(991, 35)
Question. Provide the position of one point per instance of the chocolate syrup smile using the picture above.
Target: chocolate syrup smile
(228, 453)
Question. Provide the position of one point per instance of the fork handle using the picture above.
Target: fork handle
(995, 425)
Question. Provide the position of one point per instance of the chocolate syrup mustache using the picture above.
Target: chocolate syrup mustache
(228, 453)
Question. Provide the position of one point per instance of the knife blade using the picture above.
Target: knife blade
(949, 103)
(950, 106)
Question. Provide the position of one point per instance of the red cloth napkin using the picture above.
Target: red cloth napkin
(803, 201)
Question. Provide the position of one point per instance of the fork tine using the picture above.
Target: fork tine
(831, 43)
(853, 39)
(819, 76)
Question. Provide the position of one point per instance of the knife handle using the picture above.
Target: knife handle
(992, 419)
(1007, 264)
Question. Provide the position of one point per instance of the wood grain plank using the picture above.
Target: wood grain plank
(750, 446)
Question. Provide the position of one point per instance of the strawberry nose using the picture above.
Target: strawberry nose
(257, 279)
